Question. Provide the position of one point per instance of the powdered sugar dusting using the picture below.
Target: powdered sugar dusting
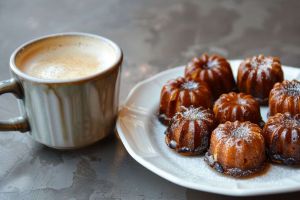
(292, 88)
(242, 101)
(233, 133)
(213, 63)
(220, 133)
(190, 85)
(261, 62)
(290, 122)
(241, 132)
(192, 113)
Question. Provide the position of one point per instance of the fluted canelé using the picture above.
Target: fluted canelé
(182, 92)
(237, 106)
(215, 71)
(236, 149)
(282, 136)
(285, 97)
(189, 130)
(257, 75)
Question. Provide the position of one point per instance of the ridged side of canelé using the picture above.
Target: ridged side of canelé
(235, 172)
(285, 97)
(237, 107)
(182, 92)
(189, 131)
(282, 136)
(215, 71)
(257, 76)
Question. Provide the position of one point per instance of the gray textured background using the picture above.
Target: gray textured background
(155, 35)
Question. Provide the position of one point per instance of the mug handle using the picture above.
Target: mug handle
(15, 124)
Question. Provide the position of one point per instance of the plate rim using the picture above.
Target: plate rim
(178, 181)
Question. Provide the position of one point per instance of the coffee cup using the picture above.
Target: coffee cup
(67, 87)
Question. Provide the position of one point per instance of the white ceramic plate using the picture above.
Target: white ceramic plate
(143, 137)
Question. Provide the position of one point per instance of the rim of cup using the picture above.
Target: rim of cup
(115, 64)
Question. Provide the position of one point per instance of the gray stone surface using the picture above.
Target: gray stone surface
(155, 35)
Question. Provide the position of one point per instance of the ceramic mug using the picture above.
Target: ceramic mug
(65, 114)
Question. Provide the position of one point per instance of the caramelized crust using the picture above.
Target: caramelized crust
(282, 136)
(285, 97)
(214, 70)
(182, 92)
(236, 149)
(237, 106)
(257, 75)
(189, 130)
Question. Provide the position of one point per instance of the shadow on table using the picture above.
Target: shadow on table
(193, 195)
(93, 152)
(101, 143)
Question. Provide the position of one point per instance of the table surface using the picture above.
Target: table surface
(155, 35)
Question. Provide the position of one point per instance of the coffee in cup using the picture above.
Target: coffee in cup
(65, 58)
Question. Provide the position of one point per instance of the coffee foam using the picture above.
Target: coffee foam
(65, 57)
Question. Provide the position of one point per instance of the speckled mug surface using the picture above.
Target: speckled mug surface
(69, 113)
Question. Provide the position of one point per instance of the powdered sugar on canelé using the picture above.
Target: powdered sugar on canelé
(192, 113)
(242, 101)
(205, 61)
(290, 122)
(261, 62)
(287, 120)
(240, 132)
(211, 64)
(232, 134)
(190, 85)
(292, 88)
